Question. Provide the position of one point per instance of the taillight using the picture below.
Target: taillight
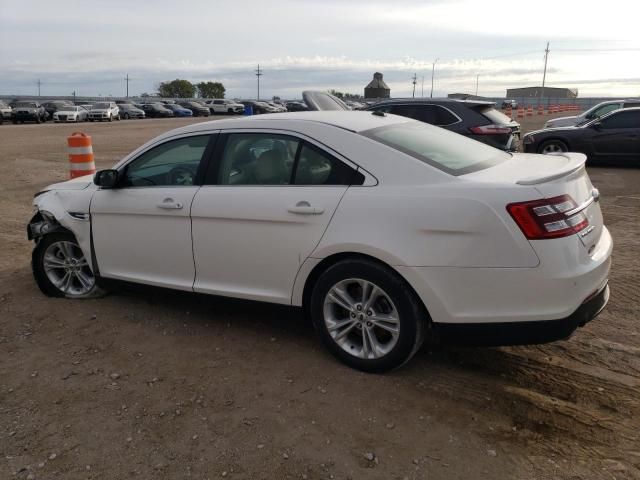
(547, 218)
(489, 130)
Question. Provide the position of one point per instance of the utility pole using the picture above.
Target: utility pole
(433, 69)
(259, 74)
(422, 89)
(127, 80)
(544, 75)
(74, 96)
(477, 78)
(39, 84)
(414, 85)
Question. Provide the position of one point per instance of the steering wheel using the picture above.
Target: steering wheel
(181, 176)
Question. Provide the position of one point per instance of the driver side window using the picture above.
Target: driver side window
(172, 163)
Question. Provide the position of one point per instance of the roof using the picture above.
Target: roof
(355, 121)
(434, 100)
(377, 82)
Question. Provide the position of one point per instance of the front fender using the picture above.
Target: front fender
(68, 210)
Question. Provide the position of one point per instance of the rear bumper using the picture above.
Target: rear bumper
(522, 333)
(552, 291)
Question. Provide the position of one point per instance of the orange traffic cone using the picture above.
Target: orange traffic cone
(81, 161)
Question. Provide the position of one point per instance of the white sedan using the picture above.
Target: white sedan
(71, 113)
(385, 230)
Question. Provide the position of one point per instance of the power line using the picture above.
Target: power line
(259, 74)
(544, 75)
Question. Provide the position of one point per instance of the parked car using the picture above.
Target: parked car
(384, 229)
(179, 111)
(27, 111)
(52, 106)
(102, 111)
(472, 118)
(509, 103)
(156, 110)
(277, 107)
(296, 107)
(5, 111)
(258, 107)
(71, 114)
(128, 110)
(197, 109)
(613, 137)
(597, 111)
(221, 105)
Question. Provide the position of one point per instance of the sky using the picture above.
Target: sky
(89, 46)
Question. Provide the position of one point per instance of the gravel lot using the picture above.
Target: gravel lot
(153, 384)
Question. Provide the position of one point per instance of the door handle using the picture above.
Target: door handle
(305, 208)
(169, 204)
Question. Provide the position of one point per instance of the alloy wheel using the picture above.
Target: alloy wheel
(67, 268)
(361, 318)
(552, 148)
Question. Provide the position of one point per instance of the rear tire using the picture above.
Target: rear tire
(126, 116)
(553, 146)
(60, 268)
(385, 322)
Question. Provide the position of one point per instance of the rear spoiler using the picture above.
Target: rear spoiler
(575, 163)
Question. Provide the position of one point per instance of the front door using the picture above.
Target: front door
(263, 213)
(617, 136)
(142, 229)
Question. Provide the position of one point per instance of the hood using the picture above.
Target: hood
(323, 101)
(78, 183)
(25, 109)
(100, 110)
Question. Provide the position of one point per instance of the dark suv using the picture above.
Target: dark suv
(472, 118)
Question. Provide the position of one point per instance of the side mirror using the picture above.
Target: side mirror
(106, 178)
(597, 125)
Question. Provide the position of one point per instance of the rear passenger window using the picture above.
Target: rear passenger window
(257, 159)
(316, 167)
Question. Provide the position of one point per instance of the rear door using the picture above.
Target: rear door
(263, 210)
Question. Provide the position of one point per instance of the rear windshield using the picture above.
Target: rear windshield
(447, 151)
(496, 116)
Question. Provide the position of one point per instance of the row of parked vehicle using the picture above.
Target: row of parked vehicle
(21, 111)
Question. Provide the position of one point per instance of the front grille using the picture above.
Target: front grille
(62, 118)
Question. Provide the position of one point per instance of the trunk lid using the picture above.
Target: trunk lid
(553, 176)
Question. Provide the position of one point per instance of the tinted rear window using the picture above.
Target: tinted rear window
(447, 151)
(495, 116)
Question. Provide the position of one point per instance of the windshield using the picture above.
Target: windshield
(444, 150)
(26, 104)
(100, 105)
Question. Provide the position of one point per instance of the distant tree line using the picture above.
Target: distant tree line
(346, 96)
(185, 89)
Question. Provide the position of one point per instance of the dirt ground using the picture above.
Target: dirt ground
(162, 385)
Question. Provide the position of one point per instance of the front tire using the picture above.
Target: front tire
(553, 146)
(367, 316)
(61, 269)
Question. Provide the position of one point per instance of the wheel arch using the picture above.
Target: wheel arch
(303, 296)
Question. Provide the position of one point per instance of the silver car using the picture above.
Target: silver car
(594, 112)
